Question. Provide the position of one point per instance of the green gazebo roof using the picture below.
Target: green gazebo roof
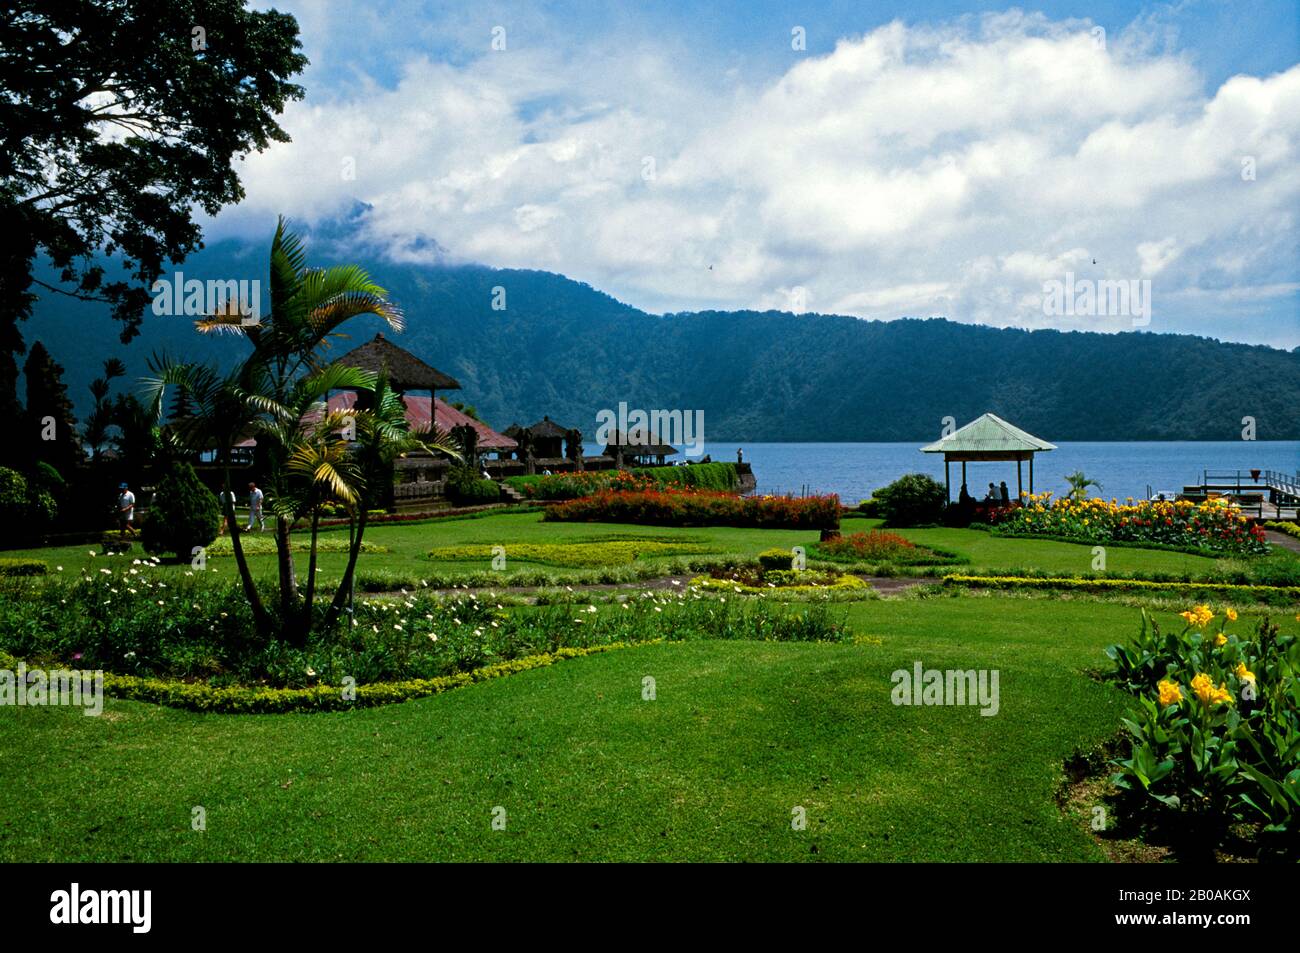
(988, 434)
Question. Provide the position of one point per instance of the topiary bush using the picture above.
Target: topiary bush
(911, 500)
(185, 514)
(26, 508)
(776, 559)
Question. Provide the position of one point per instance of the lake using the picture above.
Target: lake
(1125, 469)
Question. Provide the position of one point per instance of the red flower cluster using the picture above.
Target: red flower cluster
(674, 507)
(872, 545)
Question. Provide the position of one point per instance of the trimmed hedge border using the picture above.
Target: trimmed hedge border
(1103, 585)
(243, 700)
(23, 567)
(1281, 526)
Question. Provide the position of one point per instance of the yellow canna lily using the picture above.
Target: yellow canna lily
(1243, 673)
(1170, 693)
(1231, 614)
(1204, 688)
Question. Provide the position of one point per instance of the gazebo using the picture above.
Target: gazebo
(988, 438)
(405, 370)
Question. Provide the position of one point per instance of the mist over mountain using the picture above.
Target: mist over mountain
(565, 349)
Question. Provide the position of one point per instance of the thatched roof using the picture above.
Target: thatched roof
(989, 434)
(638, 443)
(405, 370)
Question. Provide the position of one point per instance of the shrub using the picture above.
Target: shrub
(870, 508)
(26, 507)
(776, 559)
(701, 508)
(23, 567)
(870, 545)
(911, 500)
(1291, 529)
(467, 488)
(184, 514)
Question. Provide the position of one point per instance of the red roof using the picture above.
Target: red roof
(417, 418)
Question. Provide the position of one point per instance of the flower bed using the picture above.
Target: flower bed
(1214, 526)
(572, 486)
(700, 508)
(1214, 736)
(583, 555)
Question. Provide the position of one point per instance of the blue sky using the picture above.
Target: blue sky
(912, 159)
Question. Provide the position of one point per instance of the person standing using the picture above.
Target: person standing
(1006, 494)
(255, 497)
(992, 496)
(226, 498)
(125, 509)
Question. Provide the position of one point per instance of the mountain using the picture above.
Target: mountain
(567, 350)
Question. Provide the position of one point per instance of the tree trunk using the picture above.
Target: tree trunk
(261, 618)
(310, 597)
(288, 578)
(345, 587)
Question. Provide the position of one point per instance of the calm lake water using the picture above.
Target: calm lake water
(1125, 469)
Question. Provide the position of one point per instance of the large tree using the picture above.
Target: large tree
(49, 431)
(120, 119)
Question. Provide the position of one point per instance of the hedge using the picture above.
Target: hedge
(1103, 585)
(270, 701)
(23, 567)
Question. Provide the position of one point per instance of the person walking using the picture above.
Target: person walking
(125, 509)
(255, 497)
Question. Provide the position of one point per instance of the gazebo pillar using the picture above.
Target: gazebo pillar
(947, 480)
(1019, 487)
(963, 473)
(1031, 474)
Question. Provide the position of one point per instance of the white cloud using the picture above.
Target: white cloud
(914, 170)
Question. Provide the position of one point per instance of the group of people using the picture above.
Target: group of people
(256, 514)
(996, 494)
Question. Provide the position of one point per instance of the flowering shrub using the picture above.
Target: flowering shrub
(700, 508)
(1215, 736)
(1214, 525)
(874, 544)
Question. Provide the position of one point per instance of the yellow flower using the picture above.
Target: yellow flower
(1220, 639)
(1199, 616)
(1231, 614)
(1243, 673)
(1170, 693)
(1207, 693)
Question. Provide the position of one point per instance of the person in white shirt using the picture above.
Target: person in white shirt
(125, 509)
(224, 497)
(255, 508)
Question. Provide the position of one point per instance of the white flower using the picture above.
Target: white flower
(592, 609)
(310, 670)
(433, 637)
(92, 554)
(59, 568)
(160, 602)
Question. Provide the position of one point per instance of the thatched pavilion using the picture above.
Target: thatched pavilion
(405, 371)
(988, 438)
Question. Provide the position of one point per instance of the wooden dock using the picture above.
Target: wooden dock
(1267, 494)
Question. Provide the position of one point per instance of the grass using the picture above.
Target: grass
(407, 548)
(739, 735)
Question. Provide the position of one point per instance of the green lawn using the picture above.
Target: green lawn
(740, 733)
(409, 544)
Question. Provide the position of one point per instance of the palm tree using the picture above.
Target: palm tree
(1079, 484)
(276, 390)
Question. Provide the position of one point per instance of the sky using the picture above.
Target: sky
(875, 159)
